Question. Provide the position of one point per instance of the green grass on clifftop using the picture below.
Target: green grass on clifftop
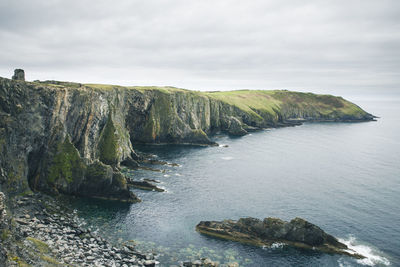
(255, 102)
(248, 100)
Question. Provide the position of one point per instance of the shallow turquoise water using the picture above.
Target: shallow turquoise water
(344, 177)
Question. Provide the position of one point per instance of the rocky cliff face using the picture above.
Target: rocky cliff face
(71, 138)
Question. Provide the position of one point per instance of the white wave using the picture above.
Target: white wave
(222, 145)
(163, 188)
(172, 164)
(178, 174)
(277, 245)
(166, 175)
(372, 255)
(227, 158)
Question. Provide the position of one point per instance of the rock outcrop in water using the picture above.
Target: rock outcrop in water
(71, 138)
(297, 233)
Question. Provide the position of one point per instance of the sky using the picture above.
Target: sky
(205, 45)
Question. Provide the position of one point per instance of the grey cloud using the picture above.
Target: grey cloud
(205, 44)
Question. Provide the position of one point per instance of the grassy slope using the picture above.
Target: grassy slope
(269, 101)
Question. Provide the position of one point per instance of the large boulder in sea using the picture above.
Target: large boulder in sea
(297, 233)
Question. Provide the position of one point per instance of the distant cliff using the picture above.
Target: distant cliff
(71, 138)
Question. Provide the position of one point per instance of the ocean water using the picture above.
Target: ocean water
(343, 177)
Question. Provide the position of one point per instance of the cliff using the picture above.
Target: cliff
(61, 137)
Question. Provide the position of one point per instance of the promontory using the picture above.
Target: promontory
(72, 138)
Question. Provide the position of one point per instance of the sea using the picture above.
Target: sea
(343, 177)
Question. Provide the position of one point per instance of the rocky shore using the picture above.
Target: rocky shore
(40, 232)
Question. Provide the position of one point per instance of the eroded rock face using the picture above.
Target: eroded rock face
(235, 127)
(52, 136)
(51, 133)
(19, 75)
(298, 233)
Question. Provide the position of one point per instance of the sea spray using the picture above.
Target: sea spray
(372, 255)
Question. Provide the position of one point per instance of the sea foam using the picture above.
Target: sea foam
(372, 255)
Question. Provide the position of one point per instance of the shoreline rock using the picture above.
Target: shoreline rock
(297, 233)
(145, 185)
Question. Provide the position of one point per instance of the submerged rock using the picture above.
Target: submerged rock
(297, 233)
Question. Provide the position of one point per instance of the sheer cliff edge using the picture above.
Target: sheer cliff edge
(71, 138)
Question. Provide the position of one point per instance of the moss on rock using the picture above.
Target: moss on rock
(119, 181)
(108, 144)
(66, 165)
(98, 172)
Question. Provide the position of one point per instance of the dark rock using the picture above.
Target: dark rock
(250, 128)
(145, 185)
(235, 127)
(158, 162)
(298, 233)
(151, 180)
(19, 75)
(130, 163)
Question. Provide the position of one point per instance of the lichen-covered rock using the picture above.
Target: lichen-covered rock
(102, 181)
(108, 144)
(298, 233)
(235, 127)
(66, 169)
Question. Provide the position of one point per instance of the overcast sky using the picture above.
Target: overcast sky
(205, 44)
